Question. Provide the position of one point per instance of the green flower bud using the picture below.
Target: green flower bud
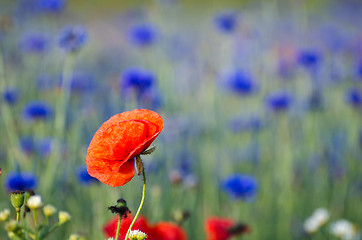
(63, 217)
(49, 210)
(17, 199)
(4, 215)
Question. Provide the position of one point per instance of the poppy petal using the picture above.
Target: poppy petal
(118, 141)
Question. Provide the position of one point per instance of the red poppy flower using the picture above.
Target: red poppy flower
(159, 231)
(111, 153)
(223, 228)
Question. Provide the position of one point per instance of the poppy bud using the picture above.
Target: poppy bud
(17, 199)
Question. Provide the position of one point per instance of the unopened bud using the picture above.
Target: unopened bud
(34, 202)
(4, 215)
(17, 199)
(49, 210)
(63, 217)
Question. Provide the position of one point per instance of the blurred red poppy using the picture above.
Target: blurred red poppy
(223, 228)
(111, 153)
(159, 231)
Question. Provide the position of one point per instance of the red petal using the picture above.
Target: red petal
(118, 141)
(217, 228)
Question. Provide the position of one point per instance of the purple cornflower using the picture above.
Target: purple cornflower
(226, 21)
(279, 101)
(73, 38)
(37, 110)
(17, 181)
(11, 96)
(33, 42)
(240, 82)
(142, 34)
(239, 186)
(84, 177)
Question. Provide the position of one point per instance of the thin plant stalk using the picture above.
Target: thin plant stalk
(141, 204)
(118, 226)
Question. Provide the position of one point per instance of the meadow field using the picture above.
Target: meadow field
(261, 103)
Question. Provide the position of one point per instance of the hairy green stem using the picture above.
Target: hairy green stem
(118, 226)
(141, 204)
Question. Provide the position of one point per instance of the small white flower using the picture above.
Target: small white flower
(343, 229)
(63, 217)
(137, 235)
(319, 217)
(49, 210)
(34, 202)
(4, 214)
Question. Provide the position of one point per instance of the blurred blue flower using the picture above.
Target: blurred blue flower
(73, 38)
(81, 82)
(226, 21)
(37, 110)
(239, 186)
(27, 144)
(51, 5)
(240, 82)
(46, 82)
(44, 146)
(137, 79)
(142, 34)
(20, 181)
(309, 58)
(11, 95)
(84, 177)
(33, 42)
(359, 69)
(279, 101)
(241, 124)
(354, 97)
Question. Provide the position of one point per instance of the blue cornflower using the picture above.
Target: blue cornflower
(37, 110)
(33, 42)
(84, 177)
(138, 79)
(240, 82)
(354, 97)
(16, 181)
(27, 144)
(226, 21)
(51, 5)
(359, 69)
(44, 146)
(82, 82)
(279, 101)
(309, 58)
(241, 124)
(142, 34)
(11, 95)
(239, 186)
(73, 38)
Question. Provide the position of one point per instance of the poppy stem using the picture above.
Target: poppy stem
(141, 204)
(118, 226)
